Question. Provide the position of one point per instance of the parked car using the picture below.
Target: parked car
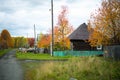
(30, 49)
(22, 50)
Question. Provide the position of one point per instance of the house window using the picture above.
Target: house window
(99, 47)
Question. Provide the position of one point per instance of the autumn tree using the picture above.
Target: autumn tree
(6, 40)
(20, 42)
(44, 41)
(31, 42)
(62, 29)
(105, 24)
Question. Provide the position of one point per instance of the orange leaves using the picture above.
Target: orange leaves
(62, 20)
(63, 24)
(67, 43)
(6, 40)
(61, 32)
(94, 38)
(44, 41)
(106, 23)
(56, 34)
(63, 29)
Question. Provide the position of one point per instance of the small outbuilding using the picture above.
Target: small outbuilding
(79, 38)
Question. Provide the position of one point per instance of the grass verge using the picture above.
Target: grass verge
(41, 56)
(80, 68)
(4, 51)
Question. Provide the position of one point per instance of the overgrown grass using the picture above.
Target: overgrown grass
(80, 68)
(4, 51)
(40, 56)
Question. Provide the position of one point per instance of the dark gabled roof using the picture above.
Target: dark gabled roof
(81, 33)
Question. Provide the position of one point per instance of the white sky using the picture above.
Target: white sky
(19, 16)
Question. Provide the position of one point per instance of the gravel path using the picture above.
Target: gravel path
(10, 68)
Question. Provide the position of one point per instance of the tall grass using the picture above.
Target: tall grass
(80, 68)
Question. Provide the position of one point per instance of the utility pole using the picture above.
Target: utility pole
(35, 44)
(52, 22)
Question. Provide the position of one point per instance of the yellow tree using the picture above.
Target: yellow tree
(6, 39)
(105, 24)
(44, 41)
(20, 42)
(63, 29)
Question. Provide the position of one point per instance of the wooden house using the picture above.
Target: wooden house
(79, 38)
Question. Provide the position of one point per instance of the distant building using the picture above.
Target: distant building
(79, 38)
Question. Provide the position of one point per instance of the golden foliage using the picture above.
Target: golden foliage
(63, 29)
(105, 23)
(6, 40)
(44, 42)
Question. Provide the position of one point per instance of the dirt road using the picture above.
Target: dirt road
(10, 68)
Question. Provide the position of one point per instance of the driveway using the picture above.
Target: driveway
(10, 68)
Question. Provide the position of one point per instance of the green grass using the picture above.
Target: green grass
(4, 51)
(41, 56)
(80, 68)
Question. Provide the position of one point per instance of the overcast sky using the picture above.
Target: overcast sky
(19, 16)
